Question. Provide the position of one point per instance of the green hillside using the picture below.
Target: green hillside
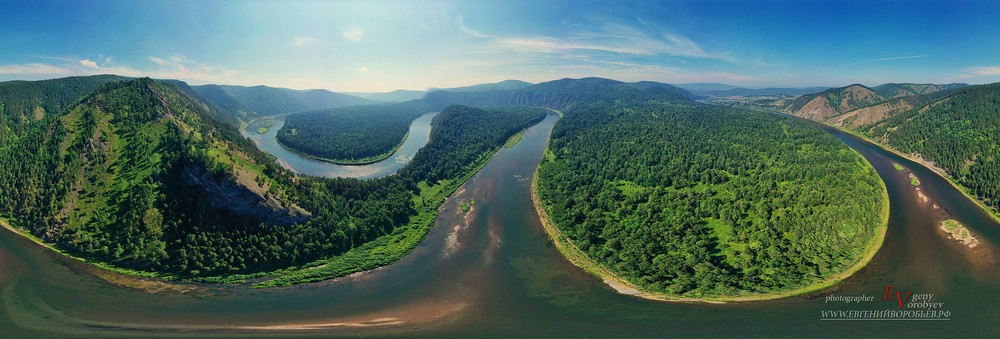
(141, 175)
(959, 133)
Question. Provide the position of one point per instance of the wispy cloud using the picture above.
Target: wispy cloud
(363, 69)
(35, 69)
(984, 71)
(865, 62)
(354, 34)
(611, 38)
(174, 66)
(466, 30)
(302, 41)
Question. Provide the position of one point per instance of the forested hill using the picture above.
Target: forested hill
(140, 174)
(23, 103)
(832, 102)
(560, 94)
(697, 200)
(363, 134)
(250, 102)
(893, 90)
(958, 131)
(131, 167)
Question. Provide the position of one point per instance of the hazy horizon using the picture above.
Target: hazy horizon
(384, 46)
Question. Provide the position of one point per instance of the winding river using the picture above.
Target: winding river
(492, 271)
(420, 133)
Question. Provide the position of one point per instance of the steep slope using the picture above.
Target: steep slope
(873, 114)
(892, 90)
(129, 166)
(258, 101)
(958, 131)
(833, 102)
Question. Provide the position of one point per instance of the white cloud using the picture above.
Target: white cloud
(466, 30)
(302, 41)
(35, 69)
(88, 63)
(612, 38)
(354, 34)
(984, 71)
(363, 69)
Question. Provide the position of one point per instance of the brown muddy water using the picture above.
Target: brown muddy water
(493, 272)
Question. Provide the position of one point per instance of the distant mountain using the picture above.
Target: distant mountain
(249, 102)
(832, 102)
(873, 114)
(746, 92)
(503, 85)
(401, 95)
(705, 86)
(892, 90)
(957, 130)
(398, 95)
(559, 94)
(857, 105)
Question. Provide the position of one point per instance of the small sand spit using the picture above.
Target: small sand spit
(958, 232)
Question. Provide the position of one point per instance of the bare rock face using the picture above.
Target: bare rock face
(226, 194)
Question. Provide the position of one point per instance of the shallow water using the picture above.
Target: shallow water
(493, 272)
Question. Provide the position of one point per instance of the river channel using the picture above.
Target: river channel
(492, 271)
(420, 133)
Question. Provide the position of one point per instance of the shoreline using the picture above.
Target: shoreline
(152, 281)
(989, 211)
(580, 259)
(357, 162)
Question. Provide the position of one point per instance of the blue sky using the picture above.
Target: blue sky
(385, 45)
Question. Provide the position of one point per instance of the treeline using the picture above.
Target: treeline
(349, 133)
(960, 133)
(702, 200)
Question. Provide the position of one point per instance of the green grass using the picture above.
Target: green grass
(953, 225)
(898, 167)
(514, 140)
(914, 181)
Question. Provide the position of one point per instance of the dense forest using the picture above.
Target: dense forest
(694, 200)
(359, 134)
(140, 174)
(363, 134)
(960, 133)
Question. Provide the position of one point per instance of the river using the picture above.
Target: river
(493, 272)
(420, 132)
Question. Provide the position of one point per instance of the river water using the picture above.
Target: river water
(493, 272)
(420, 132)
